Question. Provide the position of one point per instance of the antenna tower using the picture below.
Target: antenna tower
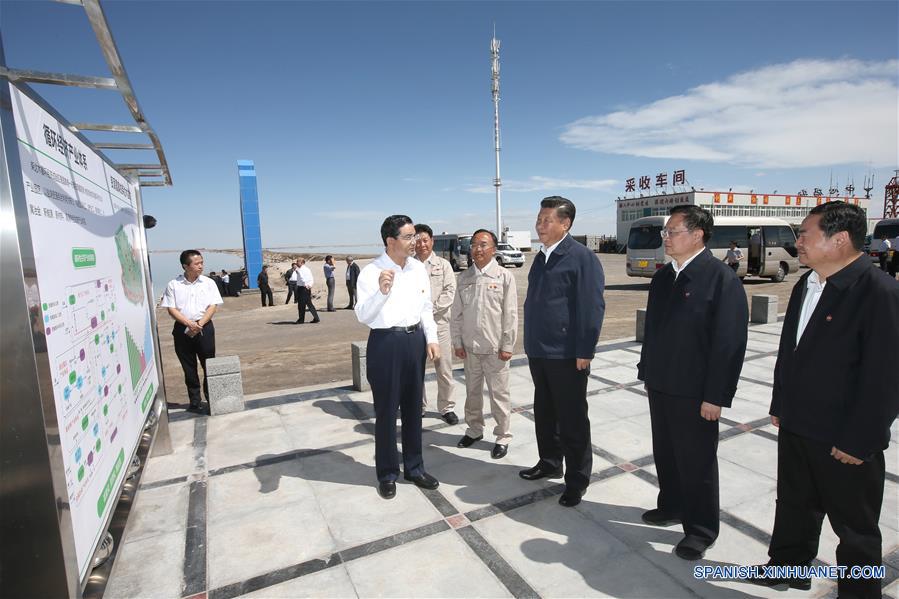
(497, 182)
(891, 197)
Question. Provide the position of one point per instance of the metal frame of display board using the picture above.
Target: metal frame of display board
(38, 549)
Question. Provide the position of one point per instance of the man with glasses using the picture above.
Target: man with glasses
(394, 300)
(443, 291)
(563, 314)
(693, 348)
(485, 325)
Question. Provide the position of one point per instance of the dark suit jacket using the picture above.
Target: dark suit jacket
(354, 275)
(696, 327)
(564, 306)
(839, 385)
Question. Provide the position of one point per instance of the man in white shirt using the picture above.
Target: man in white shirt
(304, 292)
(394, 300)
(191, 299)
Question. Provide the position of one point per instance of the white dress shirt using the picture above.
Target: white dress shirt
(407, 304)
(813, 290)
(191, 299)
(678, 268)
(547, 251)
(304, 277)
(294, 275)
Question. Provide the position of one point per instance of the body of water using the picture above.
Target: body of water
(165, 266)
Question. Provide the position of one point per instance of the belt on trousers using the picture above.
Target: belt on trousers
(408, 329)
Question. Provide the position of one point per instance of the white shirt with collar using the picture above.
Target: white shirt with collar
(294, 275)
(191, 299)
(407, 304)
(814, 287)
(678, 268)
(547, 251)
(304, 276)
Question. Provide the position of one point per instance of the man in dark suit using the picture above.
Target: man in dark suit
(352, 275)
(693, 348)
(563, 314)
(835, 397)
(265, 290)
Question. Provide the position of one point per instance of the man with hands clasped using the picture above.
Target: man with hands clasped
(693, 348)
(394, 300)
(484, 328)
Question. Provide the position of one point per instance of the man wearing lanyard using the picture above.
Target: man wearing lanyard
(191, 299)
(394, 300)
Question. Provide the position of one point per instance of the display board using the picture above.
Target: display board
(93, 313)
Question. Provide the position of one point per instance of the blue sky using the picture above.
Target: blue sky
(355, 110)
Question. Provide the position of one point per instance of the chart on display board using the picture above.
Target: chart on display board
(92, 312)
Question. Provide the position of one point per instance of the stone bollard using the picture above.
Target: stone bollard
(360, 377)
(225, 385)
(641, 323)
(764, 309)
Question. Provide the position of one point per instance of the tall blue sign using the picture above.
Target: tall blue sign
(249, 219)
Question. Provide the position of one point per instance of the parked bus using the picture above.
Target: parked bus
(888, 227)
(768, 245)
(455, 248)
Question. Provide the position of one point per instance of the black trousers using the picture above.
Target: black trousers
(685, 449)
(560, 419)
(189, 350)
(810, 484)
(292, 292)
(266, 292)
(351, 290)
(395, 366)
(304, 300)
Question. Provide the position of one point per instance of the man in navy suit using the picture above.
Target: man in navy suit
(563, 315)
(693, 348)
(835, 397)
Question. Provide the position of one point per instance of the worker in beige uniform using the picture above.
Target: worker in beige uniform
(484, 328)
(443, 290)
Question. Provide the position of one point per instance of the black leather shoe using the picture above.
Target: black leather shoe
(657, 517)
(499, 451)
(387, 489)
(691, 548)
(316, 320)
(538, 472)
(299, 322)
(467, 441)
(800, 584)
(423, 480)
(570, 498)
(451, 418)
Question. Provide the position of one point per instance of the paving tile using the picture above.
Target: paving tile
(149, 567)
(178, 463)
(242, 437)
(158, 511)
(617, 373)
(620, 356)
(621, 403)
(322, 423)
(444, 566)
(332, 582)
(238, 494)
(344, 485)
(748, 451)
(738, 484)
(624, 437)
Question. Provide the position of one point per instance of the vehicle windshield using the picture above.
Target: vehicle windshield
(504, 246)
(645, 237)
(891, 230)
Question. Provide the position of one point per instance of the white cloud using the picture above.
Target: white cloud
(807, 113)
(538, 183)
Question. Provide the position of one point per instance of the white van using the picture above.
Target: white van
(888, 227)
(768, 245)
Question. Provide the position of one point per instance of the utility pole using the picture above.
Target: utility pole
(497, 182)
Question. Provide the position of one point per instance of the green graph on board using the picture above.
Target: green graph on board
(137, 361)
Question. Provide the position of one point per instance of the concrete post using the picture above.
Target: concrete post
(641, 323)
(225, 385)
(763, 309)
(360, 377)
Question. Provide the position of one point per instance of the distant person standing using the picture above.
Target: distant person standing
(291, 276)
(563, 314)
(692, 355)
(484, 328)
(734, 255)
(265, 291)
(304, 292)
(443, 291)
(191, 299)
(226, 282)
(885, 254)
(395, 302)
(352, 276)
(329, 281)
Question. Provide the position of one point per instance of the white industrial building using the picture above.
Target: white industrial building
(791, 208)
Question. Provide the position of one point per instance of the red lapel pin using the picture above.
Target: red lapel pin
(829, 318)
